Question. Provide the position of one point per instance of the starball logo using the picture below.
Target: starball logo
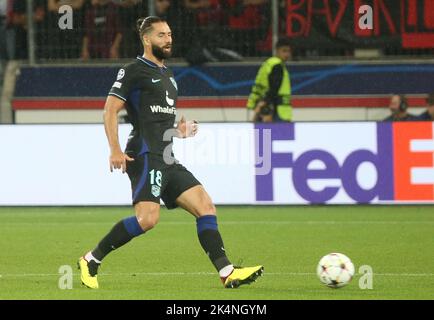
(400, 156)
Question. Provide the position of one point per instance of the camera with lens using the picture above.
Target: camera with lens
(266, 110)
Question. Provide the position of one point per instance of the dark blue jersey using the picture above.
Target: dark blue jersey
(150, 93)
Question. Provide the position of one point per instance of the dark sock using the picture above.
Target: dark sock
(93, 268)
(211, 241)
(120, 234)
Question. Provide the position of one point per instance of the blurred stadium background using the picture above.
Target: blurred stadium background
(337, 150)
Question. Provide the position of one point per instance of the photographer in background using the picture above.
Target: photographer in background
(428, 115)
(398, 106)
(271, 94)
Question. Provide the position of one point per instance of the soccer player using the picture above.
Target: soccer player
(147, 89)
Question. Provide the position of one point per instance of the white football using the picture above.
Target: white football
(335, 270)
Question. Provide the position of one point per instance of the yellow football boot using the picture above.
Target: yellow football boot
(88, 273)
(243, 275)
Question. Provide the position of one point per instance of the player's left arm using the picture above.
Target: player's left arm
(186, 128)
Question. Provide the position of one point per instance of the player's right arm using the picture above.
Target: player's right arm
(118, 159)
(116, 100)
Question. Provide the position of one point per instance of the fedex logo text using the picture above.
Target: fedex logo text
(413, 151)
(345, 163)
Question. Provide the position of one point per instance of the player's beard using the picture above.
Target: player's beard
(160, 54)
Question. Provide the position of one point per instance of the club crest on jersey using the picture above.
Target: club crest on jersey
(169, 101)
(155, 190)
(174, 83)
(121, 74)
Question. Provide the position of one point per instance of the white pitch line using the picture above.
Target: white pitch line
(160, 274)
(308, 222)
(269, 222)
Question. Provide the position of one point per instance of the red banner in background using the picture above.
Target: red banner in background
(417, 18)
(399, 24)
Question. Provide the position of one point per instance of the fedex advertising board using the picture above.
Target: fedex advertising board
(238, 163)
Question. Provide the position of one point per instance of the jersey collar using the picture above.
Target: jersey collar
(150, 63)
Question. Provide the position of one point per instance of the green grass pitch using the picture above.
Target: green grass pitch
(168, 262)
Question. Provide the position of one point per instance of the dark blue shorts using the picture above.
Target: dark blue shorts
(152, 179)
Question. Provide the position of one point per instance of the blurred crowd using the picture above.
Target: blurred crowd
(204, 30)
(398, 107)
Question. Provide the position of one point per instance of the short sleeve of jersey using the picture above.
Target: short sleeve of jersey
(124, 83)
